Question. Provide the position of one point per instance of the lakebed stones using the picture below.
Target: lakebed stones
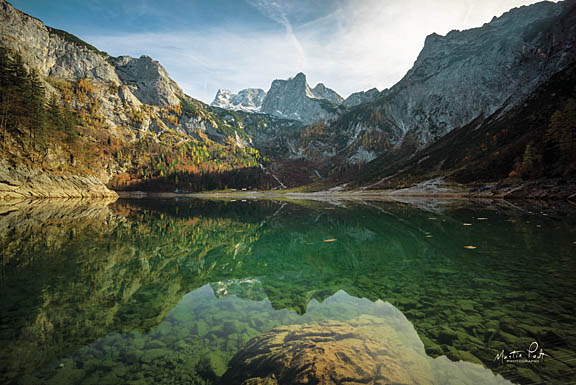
(328, 353)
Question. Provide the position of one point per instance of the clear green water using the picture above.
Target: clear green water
(168, 291)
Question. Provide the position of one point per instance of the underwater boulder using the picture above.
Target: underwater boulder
(327, 353)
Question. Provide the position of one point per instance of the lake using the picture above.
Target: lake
(189, 291)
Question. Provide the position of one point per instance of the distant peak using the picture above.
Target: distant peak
(300, 75)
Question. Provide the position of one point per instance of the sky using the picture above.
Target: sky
(205, 45)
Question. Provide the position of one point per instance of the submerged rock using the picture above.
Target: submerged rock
(328, 353)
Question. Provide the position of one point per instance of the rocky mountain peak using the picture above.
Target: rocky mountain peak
(300, 77)
(475, 72)
(323, 92)
(148, 80)
(249, 99)
(361, 97)
(59, 54)
(294, 99)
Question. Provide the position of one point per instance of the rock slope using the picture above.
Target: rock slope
(361, 97)
(473, 73)
(124, 107)
(58, 54)
(249, 100)
(294, 99)
(19, 182)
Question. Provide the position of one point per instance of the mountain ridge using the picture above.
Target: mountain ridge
(132, 126)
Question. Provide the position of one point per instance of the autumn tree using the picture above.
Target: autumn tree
(561, 131)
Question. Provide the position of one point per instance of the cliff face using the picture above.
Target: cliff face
(50, 51)
(467, 74)
(127, 114)
(147, 80)
(249, 100)
(361, 97)
(459, 78)
(18, 182)
(293, 99)
(58, 54)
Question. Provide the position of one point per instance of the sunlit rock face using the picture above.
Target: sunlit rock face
(58, 54)
(359, 352)
(21, 183)
(475, 72)
(361, 97)
(294, 99)
(148, 80)
(249, 100)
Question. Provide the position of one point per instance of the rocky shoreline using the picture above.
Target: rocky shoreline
(553, 190)
(20, 182)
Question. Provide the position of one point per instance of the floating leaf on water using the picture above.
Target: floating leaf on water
(330, 240)
(470, 247)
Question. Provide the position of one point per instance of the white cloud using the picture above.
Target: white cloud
(359, 45)
(275, 11)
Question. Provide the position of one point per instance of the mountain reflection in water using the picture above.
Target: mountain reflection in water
(168, 291)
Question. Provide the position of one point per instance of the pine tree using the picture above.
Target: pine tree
(36, 110)
(562, 130)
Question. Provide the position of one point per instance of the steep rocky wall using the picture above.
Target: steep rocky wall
(293, 99)
(466, 74)
(58, 54)
(17, 182)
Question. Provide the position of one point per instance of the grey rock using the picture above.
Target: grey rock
(22, 182)
(147, 80)
(474, 73)
(249, 100)
(58, 54)
(458, 78)
(49, 51)
(361, 97)
(293, 99)
(322, 92)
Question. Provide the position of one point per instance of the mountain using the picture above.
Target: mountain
(82, 118)
(361, 97)
(322, 92)
(116, 120)
(249, 100)
(289, 99)
(294, 99)
(515, 152)
(463, 76)
(516, 124)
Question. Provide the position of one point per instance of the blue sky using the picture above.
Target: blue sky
(349, 45)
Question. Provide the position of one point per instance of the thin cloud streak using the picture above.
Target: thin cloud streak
(357, 46)
(274, 10)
